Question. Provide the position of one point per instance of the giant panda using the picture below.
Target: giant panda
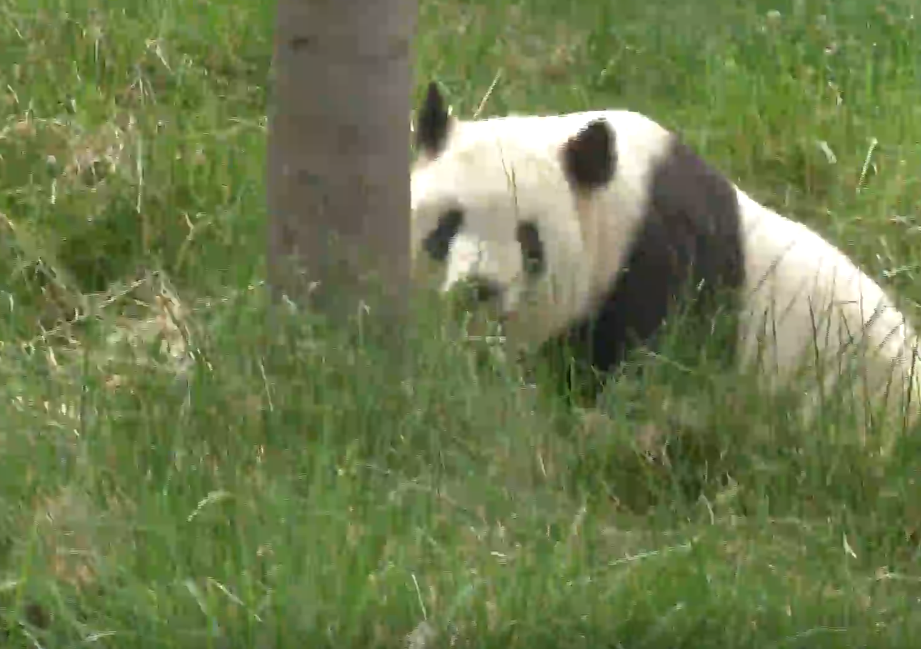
(590, 228)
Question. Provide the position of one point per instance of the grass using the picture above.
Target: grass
(170, 480)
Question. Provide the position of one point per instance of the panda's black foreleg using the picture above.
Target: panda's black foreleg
(566, 364)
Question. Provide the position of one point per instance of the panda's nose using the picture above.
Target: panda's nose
(484, 290)
(475, 291)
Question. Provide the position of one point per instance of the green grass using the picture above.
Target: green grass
(191, 486)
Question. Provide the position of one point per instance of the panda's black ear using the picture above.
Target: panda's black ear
(432, 122)
(589, 156)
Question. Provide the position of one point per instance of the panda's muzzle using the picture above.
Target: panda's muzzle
(475, 294)
(485, 291)
(476, 291)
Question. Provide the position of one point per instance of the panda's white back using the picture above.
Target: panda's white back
(789, 275)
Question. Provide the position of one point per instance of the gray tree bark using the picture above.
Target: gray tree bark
(339, 154)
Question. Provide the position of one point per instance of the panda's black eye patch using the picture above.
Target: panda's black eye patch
(532, 248)
(438, 243)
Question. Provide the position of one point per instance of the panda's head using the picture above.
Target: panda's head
(497, 210)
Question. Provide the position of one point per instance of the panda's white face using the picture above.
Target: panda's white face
(475, 230)
(494, 222)
(500, 209)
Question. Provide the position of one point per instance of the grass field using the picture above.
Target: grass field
(159, 491)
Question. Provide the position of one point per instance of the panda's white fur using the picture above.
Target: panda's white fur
(499, 172)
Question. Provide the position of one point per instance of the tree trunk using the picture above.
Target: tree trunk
(339, 154)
